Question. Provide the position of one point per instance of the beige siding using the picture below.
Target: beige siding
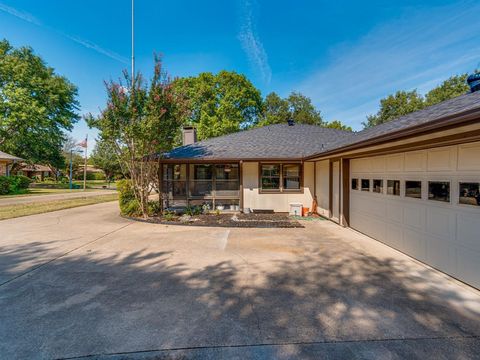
(323, 192)
(278, 202)
(3, 168)
(444, 235)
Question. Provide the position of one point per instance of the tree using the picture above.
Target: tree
(337, 124)
(393, 106)
(104, 157)
(450, 88)
(37, 106)
(302, 110)
(140, 119)
(220, 103)
(296, 107)
(275, 110)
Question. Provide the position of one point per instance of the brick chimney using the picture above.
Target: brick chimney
(189, 135)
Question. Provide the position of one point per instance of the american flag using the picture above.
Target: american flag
(83, 143)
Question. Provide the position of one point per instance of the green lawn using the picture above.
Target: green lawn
(39, 191)
(17, 210)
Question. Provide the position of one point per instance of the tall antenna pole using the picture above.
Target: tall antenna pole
(133, 42)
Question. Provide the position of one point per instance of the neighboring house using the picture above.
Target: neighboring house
(6, 162)
(36, 171)
(412, 183)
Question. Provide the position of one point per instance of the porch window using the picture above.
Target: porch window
(271, 177)
(281, 177)
(227, 180)
(291, 177)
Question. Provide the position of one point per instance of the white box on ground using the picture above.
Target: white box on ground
(296, 209)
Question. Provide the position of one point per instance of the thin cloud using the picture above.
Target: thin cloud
(251, 42)
(22, 15)
(417, 50)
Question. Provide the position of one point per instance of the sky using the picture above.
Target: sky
(345, 55)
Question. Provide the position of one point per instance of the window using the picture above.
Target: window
(270, 177)
(393, 187)
(354, 184)
(291, 177)
(413, 189)
(469, 193)
(378, 186)
(439, 191)
(280, 177)
(365, 184)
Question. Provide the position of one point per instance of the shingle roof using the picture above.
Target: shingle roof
(300, 141)
(5, 156)
(269, 142)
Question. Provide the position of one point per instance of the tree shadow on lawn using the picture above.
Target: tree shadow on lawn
(103, 303)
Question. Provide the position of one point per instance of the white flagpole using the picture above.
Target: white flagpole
(85, 165)
(133, 43)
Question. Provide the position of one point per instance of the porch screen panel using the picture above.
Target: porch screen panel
(175, 180)
(227, 181)
(201, 179)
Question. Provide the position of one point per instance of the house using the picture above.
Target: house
(6, 162)
(412, 183)
(36, 171)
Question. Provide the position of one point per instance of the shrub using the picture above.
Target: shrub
(169, 215)
(4, 185)
(49, 179)
(193, 210)
(21, 182)
(153, 208)
(129, 205)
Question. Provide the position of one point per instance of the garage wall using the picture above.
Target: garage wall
(322, 187)
(444, 235)
(279, 202)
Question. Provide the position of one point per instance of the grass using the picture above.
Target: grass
(18, 210)
(41, 191)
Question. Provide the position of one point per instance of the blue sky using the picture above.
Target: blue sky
(345, 55)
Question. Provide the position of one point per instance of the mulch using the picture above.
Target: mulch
(231, 220)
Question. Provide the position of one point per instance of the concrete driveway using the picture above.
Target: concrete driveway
(86, 283)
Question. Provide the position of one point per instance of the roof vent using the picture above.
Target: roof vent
(290, 122)
(474, 82)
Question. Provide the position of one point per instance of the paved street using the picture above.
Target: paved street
(86, 282)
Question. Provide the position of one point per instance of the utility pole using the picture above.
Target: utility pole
(70, 185)
(85, 165)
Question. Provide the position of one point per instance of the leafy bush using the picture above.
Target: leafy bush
(153, 208)
(4, 185)
(21, 182)
(14, 184)
(193, 210)
(169, 215)
(129, 205)
(49, 179)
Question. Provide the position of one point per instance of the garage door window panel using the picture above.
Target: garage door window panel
(393, 187)
(365, 184)
(469, 193)
(354, 184)
(439, 191)
(413, 189)
(377, 186)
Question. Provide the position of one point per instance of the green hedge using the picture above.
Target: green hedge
(14, 184)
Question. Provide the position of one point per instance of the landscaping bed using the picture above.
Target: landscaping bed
(230, 220)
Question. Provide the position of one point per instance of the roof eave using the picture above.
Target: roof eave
(442, 123)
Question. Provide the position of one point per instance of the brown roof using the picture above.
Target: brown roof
(5, 156)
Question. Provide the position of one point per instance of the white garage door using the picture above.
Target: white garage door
(423, 203)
